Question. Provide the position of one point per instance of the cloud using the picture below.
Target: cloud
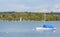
(22, 7)
(56, 7)
(14, 7)
(30, 5)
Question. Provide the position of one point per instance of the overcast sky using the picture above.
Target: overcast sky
(30, 5)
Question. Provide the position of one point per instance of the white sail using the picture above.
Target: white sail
(20, 19)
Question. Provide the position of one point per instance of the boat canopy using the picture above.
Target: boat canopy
(48, 26)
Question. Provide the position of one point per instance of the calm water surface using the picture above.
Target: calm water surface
(25, 29)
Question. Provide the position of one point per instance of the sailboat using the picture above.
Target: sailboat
(21, 19)
(45, 27)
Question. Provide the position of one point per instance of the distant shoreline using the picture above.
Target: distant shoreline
(28, 16)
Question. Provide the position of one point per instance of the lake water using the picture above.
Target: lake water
(25, 29)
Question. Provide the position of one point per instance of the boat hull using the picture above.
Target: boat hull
(42, 29)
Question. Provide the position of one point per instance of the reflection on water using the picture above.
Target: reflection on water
(25, 29)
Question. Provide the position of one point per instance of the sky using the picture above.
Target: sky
(30, 5)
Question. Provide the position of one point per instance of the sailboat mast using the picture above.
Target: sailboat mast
(44, 18)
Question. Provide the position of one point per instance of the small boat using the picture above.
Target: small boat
(45, 27)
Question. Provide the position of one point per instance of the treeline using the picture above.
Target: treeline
(29, 16)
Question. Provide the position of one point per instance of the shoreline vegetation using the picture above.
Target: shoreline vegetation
(29, 16)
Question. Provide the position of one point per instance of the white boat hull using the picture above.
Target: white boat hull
(42, 29)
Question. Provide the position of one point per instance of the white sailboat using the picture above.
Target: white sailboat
(21, 19)
(45, 27)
